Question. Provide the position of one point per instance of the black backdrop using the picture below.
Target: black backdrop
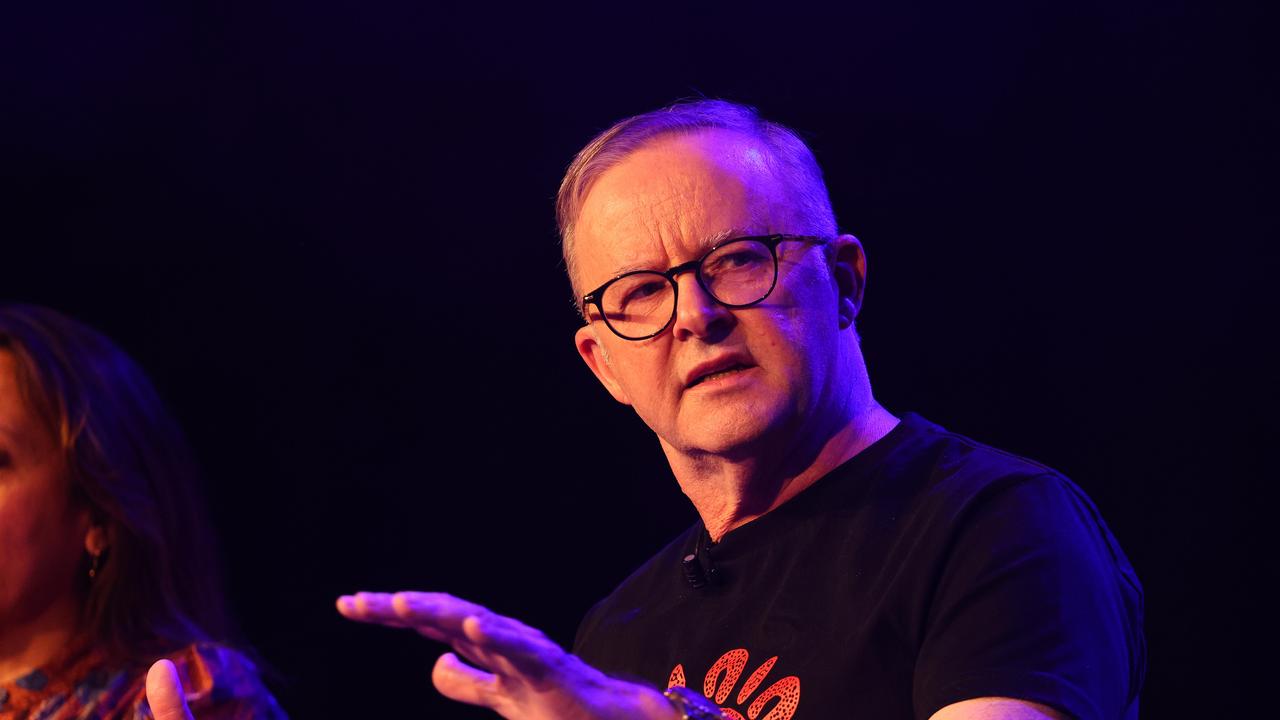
(326, 230)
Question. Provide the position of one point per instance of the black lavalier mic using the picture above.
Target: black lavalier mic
(699, 569)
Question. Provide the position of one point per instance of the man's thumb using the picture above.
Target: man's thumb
(164, 692)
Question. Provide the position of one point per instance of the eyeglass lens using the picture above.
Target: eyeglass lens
(735, 274)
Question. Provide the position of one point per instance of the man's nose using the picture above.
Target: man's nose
(698, 315)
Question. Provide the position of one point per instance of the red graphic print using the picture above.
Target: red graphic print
(723, 675)
(731, 664)
(753, 682)
(787, 690)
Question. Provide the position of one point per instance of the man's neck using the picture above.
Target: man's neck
(38, 641)
(729, 493)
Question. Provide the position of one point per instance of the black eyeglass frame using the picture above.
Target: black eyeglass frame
(770, 241)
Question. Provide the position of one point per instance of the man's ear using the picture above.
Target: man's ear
(597, 358)
(849, 265)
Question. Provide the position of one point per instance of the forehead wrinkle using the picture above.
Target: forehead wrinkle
(643, 228)
(638, 225)
(677, 214)
(703, 246)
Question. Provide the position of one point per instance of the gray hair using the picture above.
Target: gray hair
(790, 161)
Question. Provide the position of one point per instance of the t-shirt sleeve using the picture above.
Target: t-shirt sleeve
(1035, 601)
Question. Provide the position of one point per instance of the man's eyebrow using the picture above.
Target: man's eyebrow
(714, 239)
(705, 244)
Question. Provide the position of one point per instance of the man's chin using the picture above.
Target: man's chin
(740, 437)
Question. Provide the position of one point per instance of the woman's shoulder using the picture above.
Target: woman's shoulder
(222, 682)
(219, 682)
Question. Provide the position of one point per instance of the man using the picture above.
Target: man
(848, 563)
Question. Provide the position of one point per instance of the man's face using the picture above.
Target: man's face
(718, 380)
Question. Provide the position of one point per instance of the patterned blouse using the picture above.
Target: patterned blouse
(219, 683)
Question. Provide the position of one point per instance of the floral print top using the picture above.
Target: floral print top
(219, 683)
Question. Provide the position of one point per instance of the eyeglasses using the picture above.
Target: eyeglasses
(737, 273)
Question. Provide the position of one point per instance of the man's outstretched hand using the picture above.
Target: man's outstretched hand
(510, 667)
(164, 692)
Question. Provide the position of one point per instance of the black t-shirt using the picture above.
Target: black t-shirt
(926, 570)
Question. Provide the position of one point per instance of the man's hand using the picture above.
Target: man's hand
(514, 669)
(164, 692)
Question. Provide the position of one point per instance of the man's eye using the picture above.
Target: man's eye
(643, 292)
(737, 261)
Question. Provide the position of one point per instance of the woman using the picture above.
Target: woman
(106, 561)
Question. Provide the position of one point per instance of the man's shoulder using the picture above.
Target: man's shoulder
(952, 452)
(934, 482)
(973, 487)
(945, 466)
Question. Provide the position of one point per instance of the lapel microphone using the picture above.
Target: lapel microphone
(699, 568)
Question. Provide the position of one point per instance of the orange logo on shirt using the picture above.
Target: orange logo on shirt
(724, 674)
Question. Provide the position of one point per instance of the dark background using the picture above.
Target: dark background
(326, 230)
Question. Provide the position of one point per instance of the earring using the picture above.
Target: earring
(93, 569)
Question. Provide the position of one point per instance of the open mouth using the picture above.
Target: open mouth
(718, 374)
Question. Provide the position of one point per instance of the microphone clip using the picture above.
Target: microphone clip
(699, 569)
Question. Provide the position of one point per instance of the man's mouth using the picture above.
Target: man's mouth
(718, 374)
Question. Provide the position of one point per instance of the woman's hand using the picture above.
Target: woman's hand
(164, 692)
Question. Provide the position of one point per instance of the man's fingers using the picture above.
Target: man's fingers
(458, 681)
(495, 643)
(438, 610)
(164, 692)
(378, 608)
(438, 616)
(410, 609)
(527, 651)
(473, 654)
(370, 608)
